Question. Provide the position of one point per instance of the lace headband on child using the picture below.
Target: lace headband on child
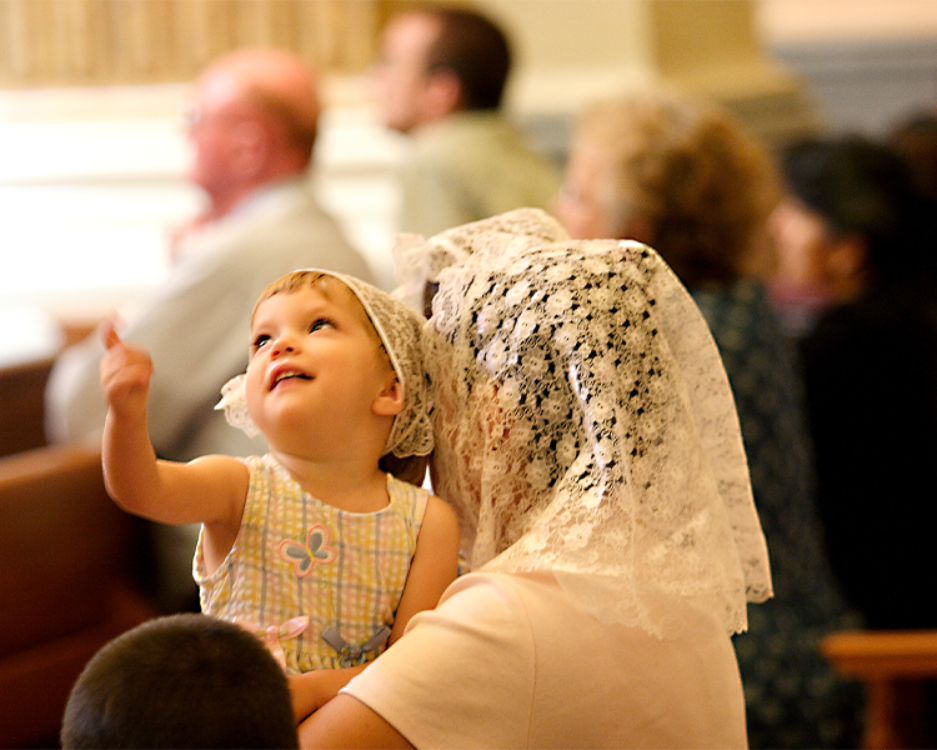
(399, 328)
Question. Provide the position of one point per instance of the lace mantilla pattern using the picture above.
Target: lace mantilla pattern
(419, 261)
(585, 426)
(400, 330)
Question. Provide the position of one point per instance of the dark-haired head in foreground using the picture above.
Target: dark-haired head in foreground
(181, 681)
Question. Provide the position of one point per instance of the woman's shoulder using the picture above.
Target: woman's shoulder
(504, 600)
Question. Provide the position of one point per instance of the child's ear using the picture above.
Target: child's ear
(389, 402)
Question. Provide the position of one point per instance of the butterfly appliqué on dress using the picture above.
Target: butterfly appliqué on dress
(304, 557)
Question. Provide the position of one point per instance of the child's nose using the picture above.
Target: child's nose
(283, 344)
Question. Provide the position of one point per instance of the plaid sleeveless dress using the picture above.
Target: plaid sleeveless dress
(321, 585)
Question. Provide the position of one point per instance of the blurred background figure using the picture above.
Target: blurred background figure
(252, 122)
(854, 229)
(915, 138)
(181, 681)
(440, 78)
(688, 180)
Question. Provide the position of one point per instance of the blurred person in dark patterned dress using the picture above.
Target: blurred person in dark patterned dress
(855, 228)
(685, 178)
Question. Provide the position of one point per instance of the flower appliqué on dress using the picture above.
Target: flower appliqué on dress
(304, 557)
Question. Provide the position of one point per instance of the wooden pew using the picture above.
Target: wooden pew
(76, 328)
(22, 393)
(894, 667)
(67, 560)
(22, 405)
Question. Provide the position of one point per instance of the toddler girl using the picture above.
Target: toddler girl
(313, 545)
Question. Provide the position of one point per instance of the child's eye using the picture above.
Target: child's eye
(260, 341)
(320, 324)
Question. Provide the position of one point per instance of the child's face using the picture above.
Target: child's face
(314, 362)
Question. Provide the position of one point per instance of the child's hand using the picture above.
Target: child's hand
(125, 373)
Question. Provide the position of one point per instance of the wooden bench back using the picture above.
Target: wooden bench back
(22, 406)
(67, 560)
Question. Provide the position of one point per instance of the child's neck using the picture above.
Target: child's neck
(354, 486)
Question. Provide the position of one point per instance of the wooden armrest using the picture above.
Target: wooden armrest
(892, 665)
(890, 654)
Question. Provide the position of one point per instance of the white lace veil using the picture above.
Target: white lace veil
(419, 261)
(585, 426)
(399, 328)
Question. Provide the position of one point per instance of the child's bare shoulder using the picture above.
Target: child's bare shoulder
(227, 472)
(441, 518)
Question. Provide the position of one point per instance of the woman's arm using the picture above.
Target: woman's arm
(435, 564)
(346, 722)
(207, 490)
(312, 690)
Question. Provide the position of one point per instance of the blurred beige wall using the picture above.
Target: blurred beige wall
(121, 42)
(573, 48)
(108, 162)
(783, 21)
(88, 42)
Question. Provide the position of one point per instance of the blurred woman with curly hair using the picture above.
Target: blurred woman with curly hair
(686, 178)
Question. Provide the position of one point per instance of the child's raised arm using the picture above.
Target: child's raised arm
(208, 490)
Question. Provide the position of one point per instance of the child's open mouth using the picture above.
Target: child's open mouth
(289, 375)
